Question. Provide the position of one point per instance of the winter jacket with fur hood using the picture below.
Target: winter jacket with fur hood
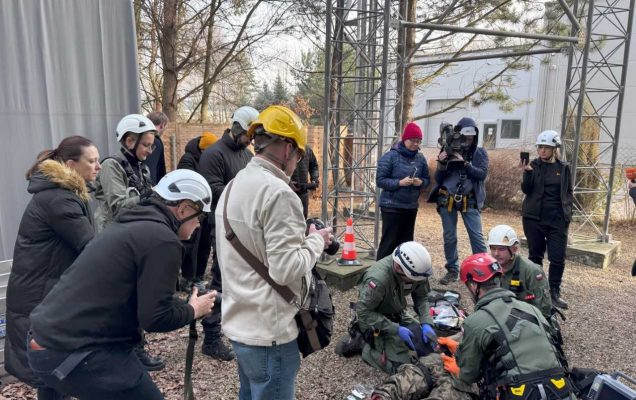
(54, 229)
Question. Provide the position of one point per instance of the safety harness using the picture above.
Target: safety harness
(545, 385)
(137, 181)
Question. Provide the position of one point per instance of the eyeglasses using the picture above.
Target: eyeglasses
(299, 153)
(150, 147)
(415, 141)
(198, 214)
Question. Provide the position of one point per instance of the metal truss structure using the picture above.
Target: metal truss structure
(595, 89)
(363, 68)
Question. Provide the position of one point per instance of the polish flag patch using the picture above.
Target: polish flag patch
(372, 285)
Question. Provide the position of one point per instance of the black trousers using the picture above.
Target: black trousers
(110, 372)
(398, 226)
(197, 252)
(212, 323)
(304, 198)
(552, 236)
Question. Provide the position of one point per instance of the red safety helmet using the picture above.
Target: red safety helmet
(479, 268)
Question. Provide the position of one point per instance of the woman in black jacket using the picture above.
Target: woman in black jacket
(547, 209)
(55, 227)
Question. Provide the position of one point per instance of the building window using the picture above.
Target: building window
(510, 129)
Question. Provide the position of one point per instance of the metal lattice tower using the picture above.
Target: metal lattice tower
(597, 73)
(359, 123)
(356, 88)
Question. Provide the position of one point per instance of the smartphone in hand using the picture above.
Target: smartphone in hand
(413, 173)
(525, 157)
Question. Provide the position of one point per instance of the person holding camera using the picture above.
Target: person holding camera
(84, 332)
(460, 190)
(266, 216)
(547, 209)
(402, 174)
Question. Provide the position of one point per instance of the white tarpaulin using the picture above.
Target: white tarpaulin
(67, 67)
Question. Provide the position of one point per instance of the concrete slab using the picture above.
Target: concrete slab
(342, 277)
(592, 254)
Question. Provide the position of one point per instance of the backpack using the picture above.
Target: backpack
(315, 321)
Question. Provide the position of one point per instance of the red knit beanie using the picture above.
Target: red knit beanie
(412, 131)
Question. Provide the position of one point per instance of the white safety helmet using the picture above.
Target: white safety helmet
(135, 123)
(414, 260)
(245, 116)
(185, 184)
(502, 235)
(549, 138)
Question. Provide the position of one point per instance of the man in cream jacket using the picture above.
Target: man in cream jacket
(267, 217)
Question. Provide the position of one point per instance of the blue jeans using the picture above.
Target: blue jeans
(267, 372)
(472, 222)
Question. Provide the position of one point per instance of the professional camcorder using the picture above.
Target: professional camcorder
(452, 140)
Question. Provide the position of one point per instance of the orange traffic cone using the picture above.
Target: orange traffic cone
(349, 254)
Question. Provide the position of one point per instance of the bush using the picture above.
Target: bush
(503, 184)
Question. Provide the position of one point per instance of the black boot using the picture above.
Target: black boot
(557, 301)
(215, 348)
(451, 276)
(349, 346)
(149, 363)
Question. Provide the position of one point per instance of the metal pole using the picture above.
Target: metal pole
(326, 116)
(428, 34)
(571, 17)
(490, 32)
(582, 88)
(383, 84)
(568, 82)
(485, 57)
(619, 112)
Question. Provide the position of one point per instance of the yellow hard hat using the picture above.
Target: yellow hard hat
(281, 121)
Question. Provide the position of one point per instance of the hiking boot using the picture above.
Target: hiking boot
(451, 276)
(217, 350)
(349, 346)
(557, 301)
(149, 363)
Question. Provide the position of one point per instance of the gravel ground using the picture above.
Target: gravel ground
(599, 331)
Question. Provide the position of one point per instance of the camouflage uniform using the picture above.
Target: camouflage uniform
(411, 383)
(381, 310)
(507, 343)
(527, 281)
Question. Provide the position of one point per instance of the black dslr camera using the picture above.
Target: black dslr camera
(334, 246)
(202, 289)
(453, 143)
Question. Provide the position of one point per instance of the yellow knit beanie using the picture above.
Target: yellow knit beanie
(207, 140)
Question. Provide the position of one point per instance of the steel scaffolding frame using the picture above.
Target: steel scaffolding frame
(359, 125)
(597, 74)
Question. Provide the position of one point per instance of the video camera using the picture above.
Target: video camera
(317, 222)
(453, 142)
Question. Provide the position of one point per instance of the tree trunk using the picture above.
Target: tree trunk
(405, 85)
(168, 44)
(207, 84)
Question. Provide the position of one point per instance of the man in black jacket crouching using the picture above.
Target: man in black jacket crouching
(84, 331)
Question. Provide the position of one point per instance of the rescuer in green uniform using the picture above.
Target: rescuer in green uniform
(381, 309)
(507, 346)
(520, 275)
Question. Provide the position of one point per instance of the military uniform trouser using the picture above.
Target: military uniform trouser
(387, 353)
(411, 383)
